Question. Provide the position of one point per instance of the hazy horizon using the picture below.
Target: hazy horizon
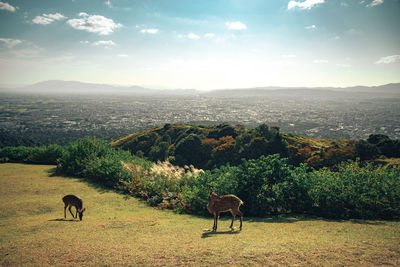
(89, 85)
(201, 45)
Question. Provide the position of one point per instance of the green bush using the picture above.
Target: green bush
(107, 171)
(195, 192)
(356, 192)
(37, 155)
(97, 161)
(266, 185)
(269, 185)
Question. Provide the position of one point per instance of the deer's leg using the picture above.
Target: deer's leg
(233, 218)
(69, 208)
(76, 213)
(215, 221)
(241, 218)
(65, 211)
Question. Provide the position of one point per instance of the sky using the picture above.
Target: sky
(201, 44)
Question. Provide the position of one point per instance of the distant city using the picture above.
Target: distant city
(37, 118)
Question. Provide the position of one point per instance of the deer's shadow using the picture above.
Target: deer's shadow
(63, 220)
(209, 233)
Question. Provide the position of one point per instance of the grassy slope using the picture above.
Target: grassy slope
(122, 231)
(315, 143)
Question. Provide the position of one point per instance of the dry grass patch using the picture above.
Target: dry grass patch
(121, 231)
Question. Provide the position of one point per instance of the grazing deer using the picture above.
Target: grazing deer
(218, 204)
(72, 200)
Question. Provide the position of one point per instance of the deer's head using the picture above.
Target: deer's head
(80, 212)
(212, 195)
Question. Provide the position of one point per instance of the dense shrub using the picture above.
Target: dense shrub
(97, 161)
(269, 185)
(377, 145)
(37, 155)
(160, 184)
(354, 191)
(266, 185)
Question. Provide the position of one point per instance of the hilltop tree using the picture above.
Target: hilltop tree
(189, 150)
(365, 150)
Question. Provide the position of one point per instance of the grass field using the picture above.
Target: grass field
(121, 231)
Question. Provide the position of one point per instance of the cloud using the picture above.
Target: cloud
(320, 61)
(388, 59)
(94, 23)
(193, 36)
(108, 3)
(105, 43)
(375, 3)
(311, 27)
(344, 4)
(209, 35)
(289, 56)
(235, 25)
(307, 4)
(123, 55)
(149, 31)
(21, 48)
(7, 6)
(10, 42)
(46, 19)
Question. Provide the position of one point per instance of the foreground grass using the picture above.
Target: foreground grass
(117, 230)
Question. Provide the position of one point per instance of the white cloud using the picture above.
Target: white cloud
(108, 3)
(150, 31)
(209, 35)
(388, 59)
(320, 61)
(21, 48)
(193, 36)
(344, 4)
(105, 43)
(375, 3)
(307, 4)
(123, 55)
(84, 42)
(10, 42)
(235, 25)
(94, 23)
(46, 19)
(289, 56)
(56, 16)
(7, 6)
(311, 27)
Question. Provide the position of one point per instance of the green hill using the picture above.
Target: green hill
(207, 147)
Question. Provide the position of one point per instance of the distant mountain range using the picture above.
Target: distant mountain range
(74, 87)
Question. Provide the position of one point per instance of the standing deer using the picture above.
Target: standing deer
(218, 204)
(72, 200)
